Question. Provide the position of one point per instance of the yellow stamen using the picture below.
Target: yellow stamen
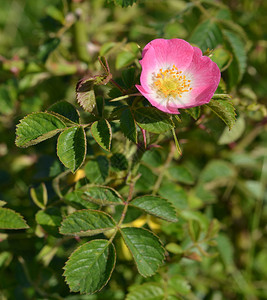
(170, 82)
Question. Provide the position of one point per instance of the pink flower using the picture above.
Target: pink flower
(177, 75)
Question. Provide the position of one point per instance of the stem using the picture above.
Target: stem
(163, 169)
(257, 215)
(124, 97)
(117, 85)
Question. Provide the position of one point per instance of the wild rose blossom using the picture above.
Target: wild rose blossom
(176, 75)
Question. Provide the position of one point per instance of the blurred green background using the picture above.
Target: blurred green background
(47, 46)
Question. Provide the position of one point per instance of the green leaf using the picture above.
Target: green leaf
(118, 162)
(239, 51)
(179, 285)
(124, 59)
(181, 174)
(152, 119)
(174, 193)
(101, 132)
(217, 169)
(128, 77)
(90, 266)
(156, 206)
(50, 219)
(225, 110)
(65, 109)
(230, 136)
(97, 170)
(71, 148)
(102, 195)
(39, 195)
(226, 251)
(124, 3)
(194, 112)
(48, 47)
(146, 249)
(206, 35)
(9, 219)
(36, 128)
(85, 94)
(128, 126)
(147, 291)
(76, 200)
(222, 58)
(86, 223)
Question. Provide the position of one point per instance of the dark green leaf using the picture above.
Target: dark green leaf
(239, 51)
(206, 35)
(225, 110)
(97, 170)
(46, 48)
(118, 162)
(66, 110)
(128, 126)
(9, 219)
(128, 77)
(36, 128)
(124, 3)
(71, 147)
(101, 132)
(101, 195)
(86, 223)
(152, 120)
(156, 206)
(146, 249)
(194, 112)
(90, 266)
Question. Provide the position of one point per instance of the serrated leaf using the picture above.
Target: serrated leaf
(118, 162)
(85, 94)
(152, 120)
(90, 266)
(181, 174)
(225, 110)
(65, 109)
(147, 291)
(36, 128)
(86, 223)
(230, 136)
(71, 147)
(128, 126)
(194, 112)
(97, 170)
(76, 200)
(206, 35)
(156, 206)
(9, 219)
(146, 249)
(239, 51)
(101, 132)
(101, 195)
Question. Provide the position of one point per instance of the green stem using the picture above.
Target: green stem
(163, 169)
(124, 97)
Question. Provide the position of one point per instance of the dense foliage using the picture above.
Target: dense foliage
(107, 196)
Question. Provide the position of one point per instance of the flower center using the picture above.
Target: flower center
(170, 82)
